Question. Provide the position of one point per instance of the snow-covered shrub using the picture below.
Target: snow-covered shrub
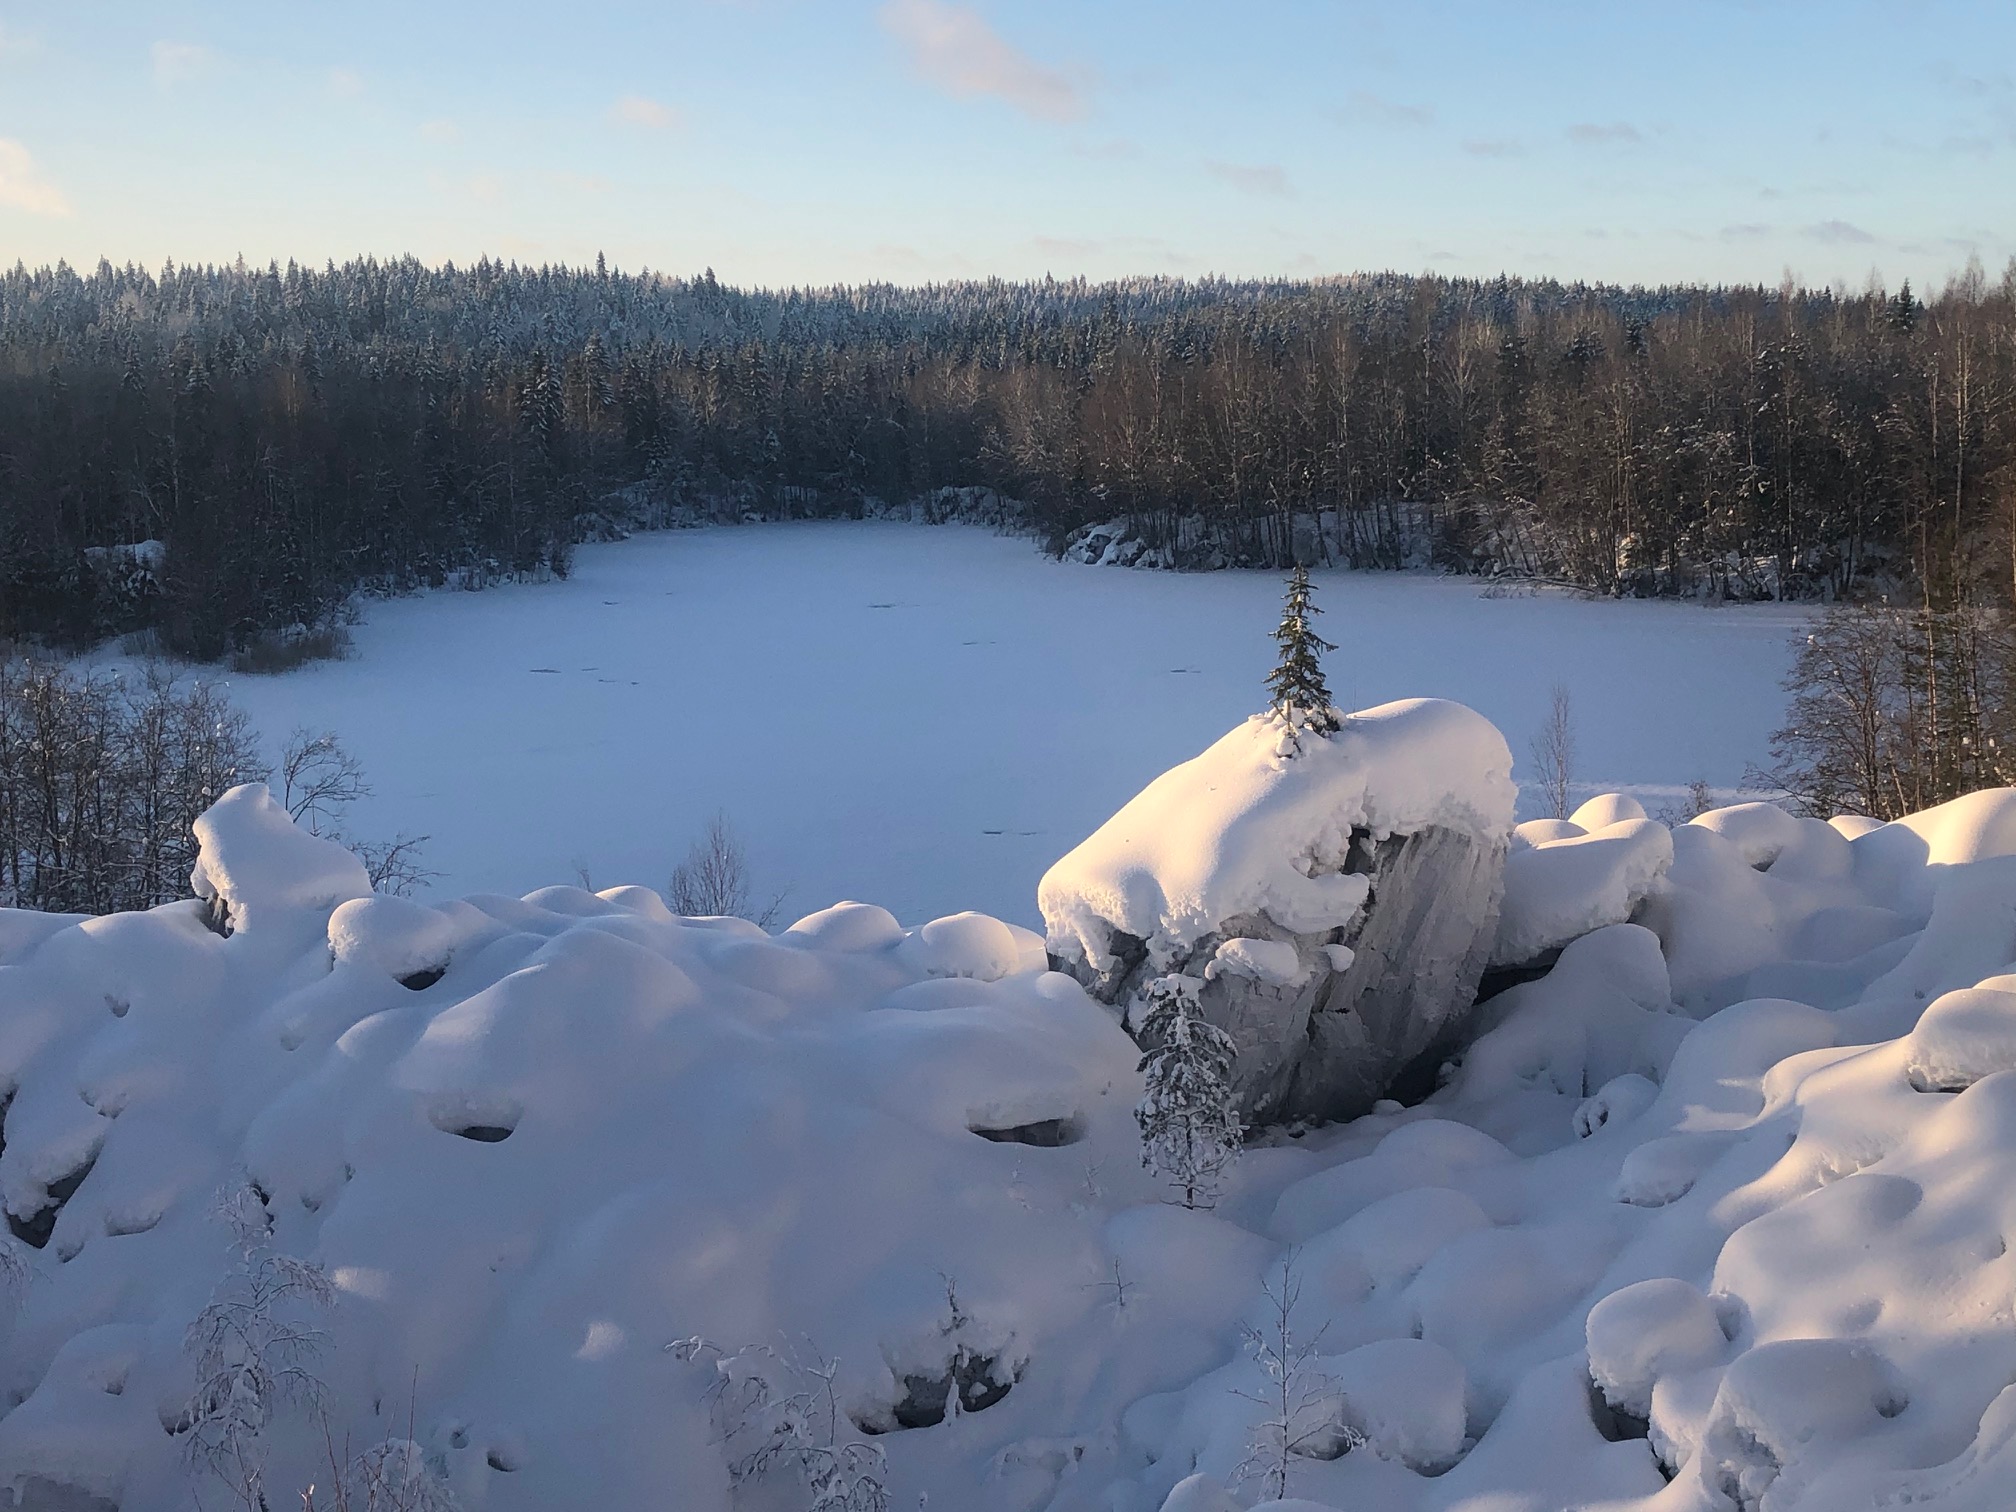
(713, 881)
(777, 1413)
(254, 1350)
(393, 1476)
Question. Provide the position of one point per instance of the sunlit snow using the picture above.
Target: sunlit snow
(928, 716)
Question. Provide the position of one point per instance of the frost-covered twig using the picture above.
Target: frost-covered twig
(1553, 752)
(393, 1476)
(1295, 1397)
(253, 1349)
(777, 1411)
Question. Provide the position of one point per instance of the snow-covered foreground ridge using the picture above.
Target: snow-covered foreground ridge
(1711, 1214)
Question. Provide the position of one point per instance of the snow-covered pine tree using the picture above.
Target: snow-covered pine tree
(1190, 1128)
(1301, 697)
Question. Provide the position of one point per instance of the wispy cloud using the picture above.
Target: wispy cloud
(1838, 233)
(22, 186)
(179, 62)
(14, 44)
(1604, 133)
(1251, 178)
(440, 131)
(638, 110)
(1363, 105)
(1113, 149)
(345, 83)
(1494, 147)
(954, 49)
(1747, 231)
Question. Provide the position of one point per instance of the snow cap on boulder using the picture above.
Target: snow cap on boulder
(253, 860)
(1245, 829)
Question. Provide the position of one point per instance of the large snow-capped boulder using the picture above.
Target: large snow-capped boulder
(1337, 897)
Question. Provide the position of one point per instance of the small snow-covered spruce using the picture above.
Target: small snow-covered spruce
(1301, 699)
(1296, 1397)
(253, 1349)
(1190, 1127)
(776, 1411)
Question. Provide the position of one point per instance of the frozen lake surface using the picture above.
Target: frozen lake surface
(927, 716)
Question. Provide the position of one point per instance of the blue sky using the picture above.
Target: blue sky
(816, 141)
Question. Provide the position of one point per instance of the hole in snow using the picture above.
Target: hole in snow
(35, 1229)
(1923, 1080)
(1612, 1424)
(979, 1380)
(421, 980)
(1044, 1133)
(487, 1120)
(119, 1006)
(498, 1459)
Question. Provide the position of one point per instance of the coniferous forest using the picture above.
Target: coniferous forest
(291, 437)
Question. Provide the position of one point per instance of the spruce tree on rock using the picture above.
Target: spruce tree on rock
(1190, 1128)
(1301, 698)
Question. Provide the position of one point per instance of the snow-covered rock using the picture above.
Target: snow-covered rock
(254, 859)
(1338, 902)
(1560, 889)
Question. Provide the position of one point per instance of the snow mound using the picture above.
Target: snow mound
(253, 856)
(533, 1142)
(1642, 1332)
(1557, 890)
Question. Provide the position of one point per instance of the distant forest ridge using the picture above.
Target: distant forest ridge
(291, 437)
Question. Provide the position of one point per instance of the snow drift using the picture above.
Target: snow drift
(1712, 1214)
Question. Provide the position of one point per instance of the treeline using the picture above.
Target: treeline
(290, 436)
(103, 775)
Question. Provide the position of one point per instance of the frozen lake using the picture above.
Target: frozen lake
(925, 717)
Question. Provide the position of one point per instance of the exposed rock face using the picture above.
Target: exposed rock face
(1320, 1042)
(1338, 903)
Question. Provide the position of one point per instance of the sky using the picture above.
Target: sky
(789, 142)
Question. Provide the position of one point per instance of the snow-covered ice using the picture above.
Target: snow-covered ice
(928, 716)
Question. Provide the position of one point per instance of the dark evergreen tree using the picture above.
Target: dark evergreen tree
(1301, 697)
